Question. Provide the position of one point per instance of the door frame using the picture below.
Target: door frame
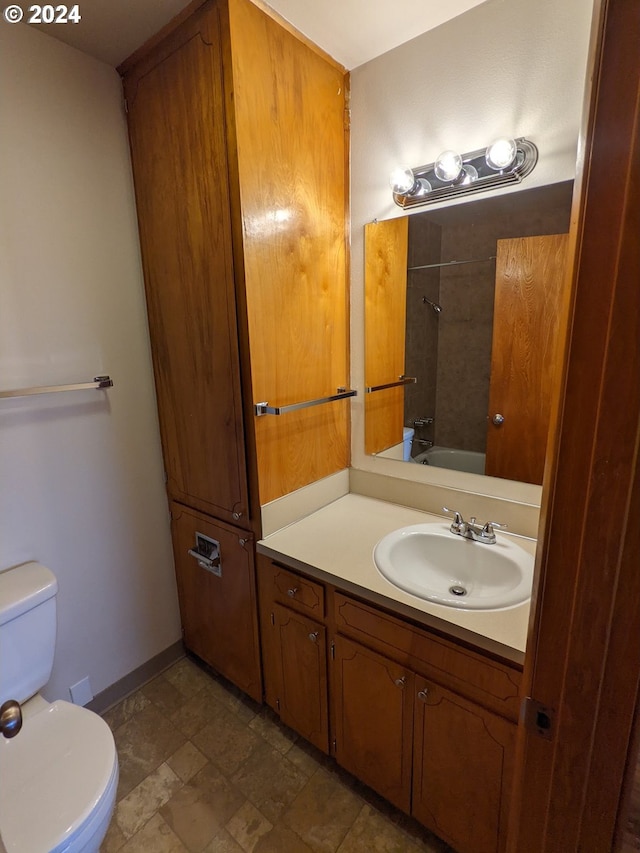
(583, 656)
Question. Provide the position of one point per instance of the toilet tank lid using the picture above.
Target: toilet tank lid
(23, 587)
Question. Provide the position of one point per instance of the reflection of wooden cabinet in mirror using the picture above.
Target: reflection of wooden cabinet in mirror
(386, 245)
(530, 274)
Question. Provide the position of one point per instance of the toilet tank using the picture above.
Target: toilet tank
(27, 630)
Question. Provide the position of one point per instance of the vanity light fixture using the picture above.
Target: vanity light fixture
(505, 161)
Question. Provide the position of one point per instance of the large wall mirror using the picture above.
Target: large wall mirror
(443, 293)
(462, 313)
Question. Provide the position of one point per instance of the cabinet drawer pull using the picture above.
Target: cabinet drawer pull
(423, 695)
(292, 591)
(400, 682)
(313, 636)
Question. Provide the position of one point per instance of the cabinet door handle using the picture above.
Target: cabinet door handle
(291, 592)
(423, 695)
(400, 682)
(313, 636)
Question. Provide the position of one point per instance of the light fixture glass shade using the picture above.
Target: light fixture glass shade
(470, 174)
(501, 154)
(402, 180)
(448, 166)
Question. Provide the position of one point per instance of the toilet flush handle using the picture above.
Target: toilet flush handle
(10, 718)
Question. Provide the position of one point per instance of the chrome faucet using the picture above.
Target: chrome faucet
(470, 530)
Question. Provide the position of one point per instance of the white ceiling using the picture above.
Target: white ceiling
(352, 31)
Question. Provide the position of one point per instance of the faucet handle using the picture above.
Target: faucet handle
(458, 522)
(491, 524)
(487, 531)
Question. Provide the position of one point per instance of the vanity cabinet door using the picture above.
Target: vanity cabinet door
(301, 675)
(462, 772)
(373, 719)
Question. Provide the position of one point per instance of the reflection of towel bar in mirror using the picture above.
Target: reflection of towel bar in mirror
(266, 409)
(98, 382)
(402, 380)
(452, 263)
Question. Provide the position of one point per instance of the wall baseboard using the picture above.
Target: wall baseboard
(134, 680)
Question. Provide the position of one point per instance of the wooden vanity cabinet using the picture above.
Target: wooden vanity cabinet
(301, 674)
(373, 714)
(294, 650)
(429, 751)
(462, 768)
(425, 721)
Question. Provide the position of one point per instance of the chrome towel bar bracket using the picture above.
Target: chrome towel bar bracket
(266, 409)
(98, 382)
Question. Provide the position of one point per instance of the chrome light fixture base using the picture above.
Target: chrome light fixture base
(487, 178)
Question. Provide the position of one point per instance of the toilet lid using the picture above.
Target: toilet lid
(52, 776)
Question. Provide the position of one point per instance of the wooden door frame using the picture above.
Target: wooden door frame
(583, 658)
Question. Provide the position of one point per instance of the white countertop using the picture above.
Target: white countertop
(337, 541)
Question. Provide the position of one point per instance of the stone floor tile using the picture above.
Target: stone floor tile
(226, 740)
(306, 757)
(267, 725)
(247, 826)
(126, 709)
(187, 761)
(143, 743)
(269, 780)
(374, 833)
(114, 839)
(223, 843)
(283, 840)
(187, 677)
(164, 695)
(202, 807)
(133, 812)
(323, 812)
(155, 837)
(233, 699)
(195, 713)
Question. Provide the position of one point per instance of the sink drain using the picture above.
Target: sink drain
(457, 590)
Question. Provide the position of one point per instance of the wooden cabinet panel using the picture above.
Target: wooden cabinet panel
(301, 655)
(289, 109)
(178, 143)
(373, 720)
(462, 770)
(529, 298)
(489, 682)
(219, 616)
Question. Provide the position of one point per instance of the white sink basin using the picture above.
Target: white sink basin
(430, 562)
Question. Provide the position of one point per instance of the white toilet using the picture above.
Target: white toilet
(59, 774)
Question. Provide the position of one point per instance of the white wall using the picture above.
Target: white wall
(81, 486)
(506, 67)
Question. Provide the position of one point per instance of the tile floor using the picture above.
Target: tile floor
(204, 768)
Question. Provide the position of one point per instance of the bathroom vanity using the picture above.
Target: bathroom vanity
(418, 700)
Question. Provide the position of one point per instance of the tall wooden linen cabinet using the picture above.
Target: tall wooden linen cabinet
(238, 138)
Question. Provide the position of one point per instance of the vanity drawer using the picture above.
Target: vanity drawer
(297, 592)
(490, 683)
